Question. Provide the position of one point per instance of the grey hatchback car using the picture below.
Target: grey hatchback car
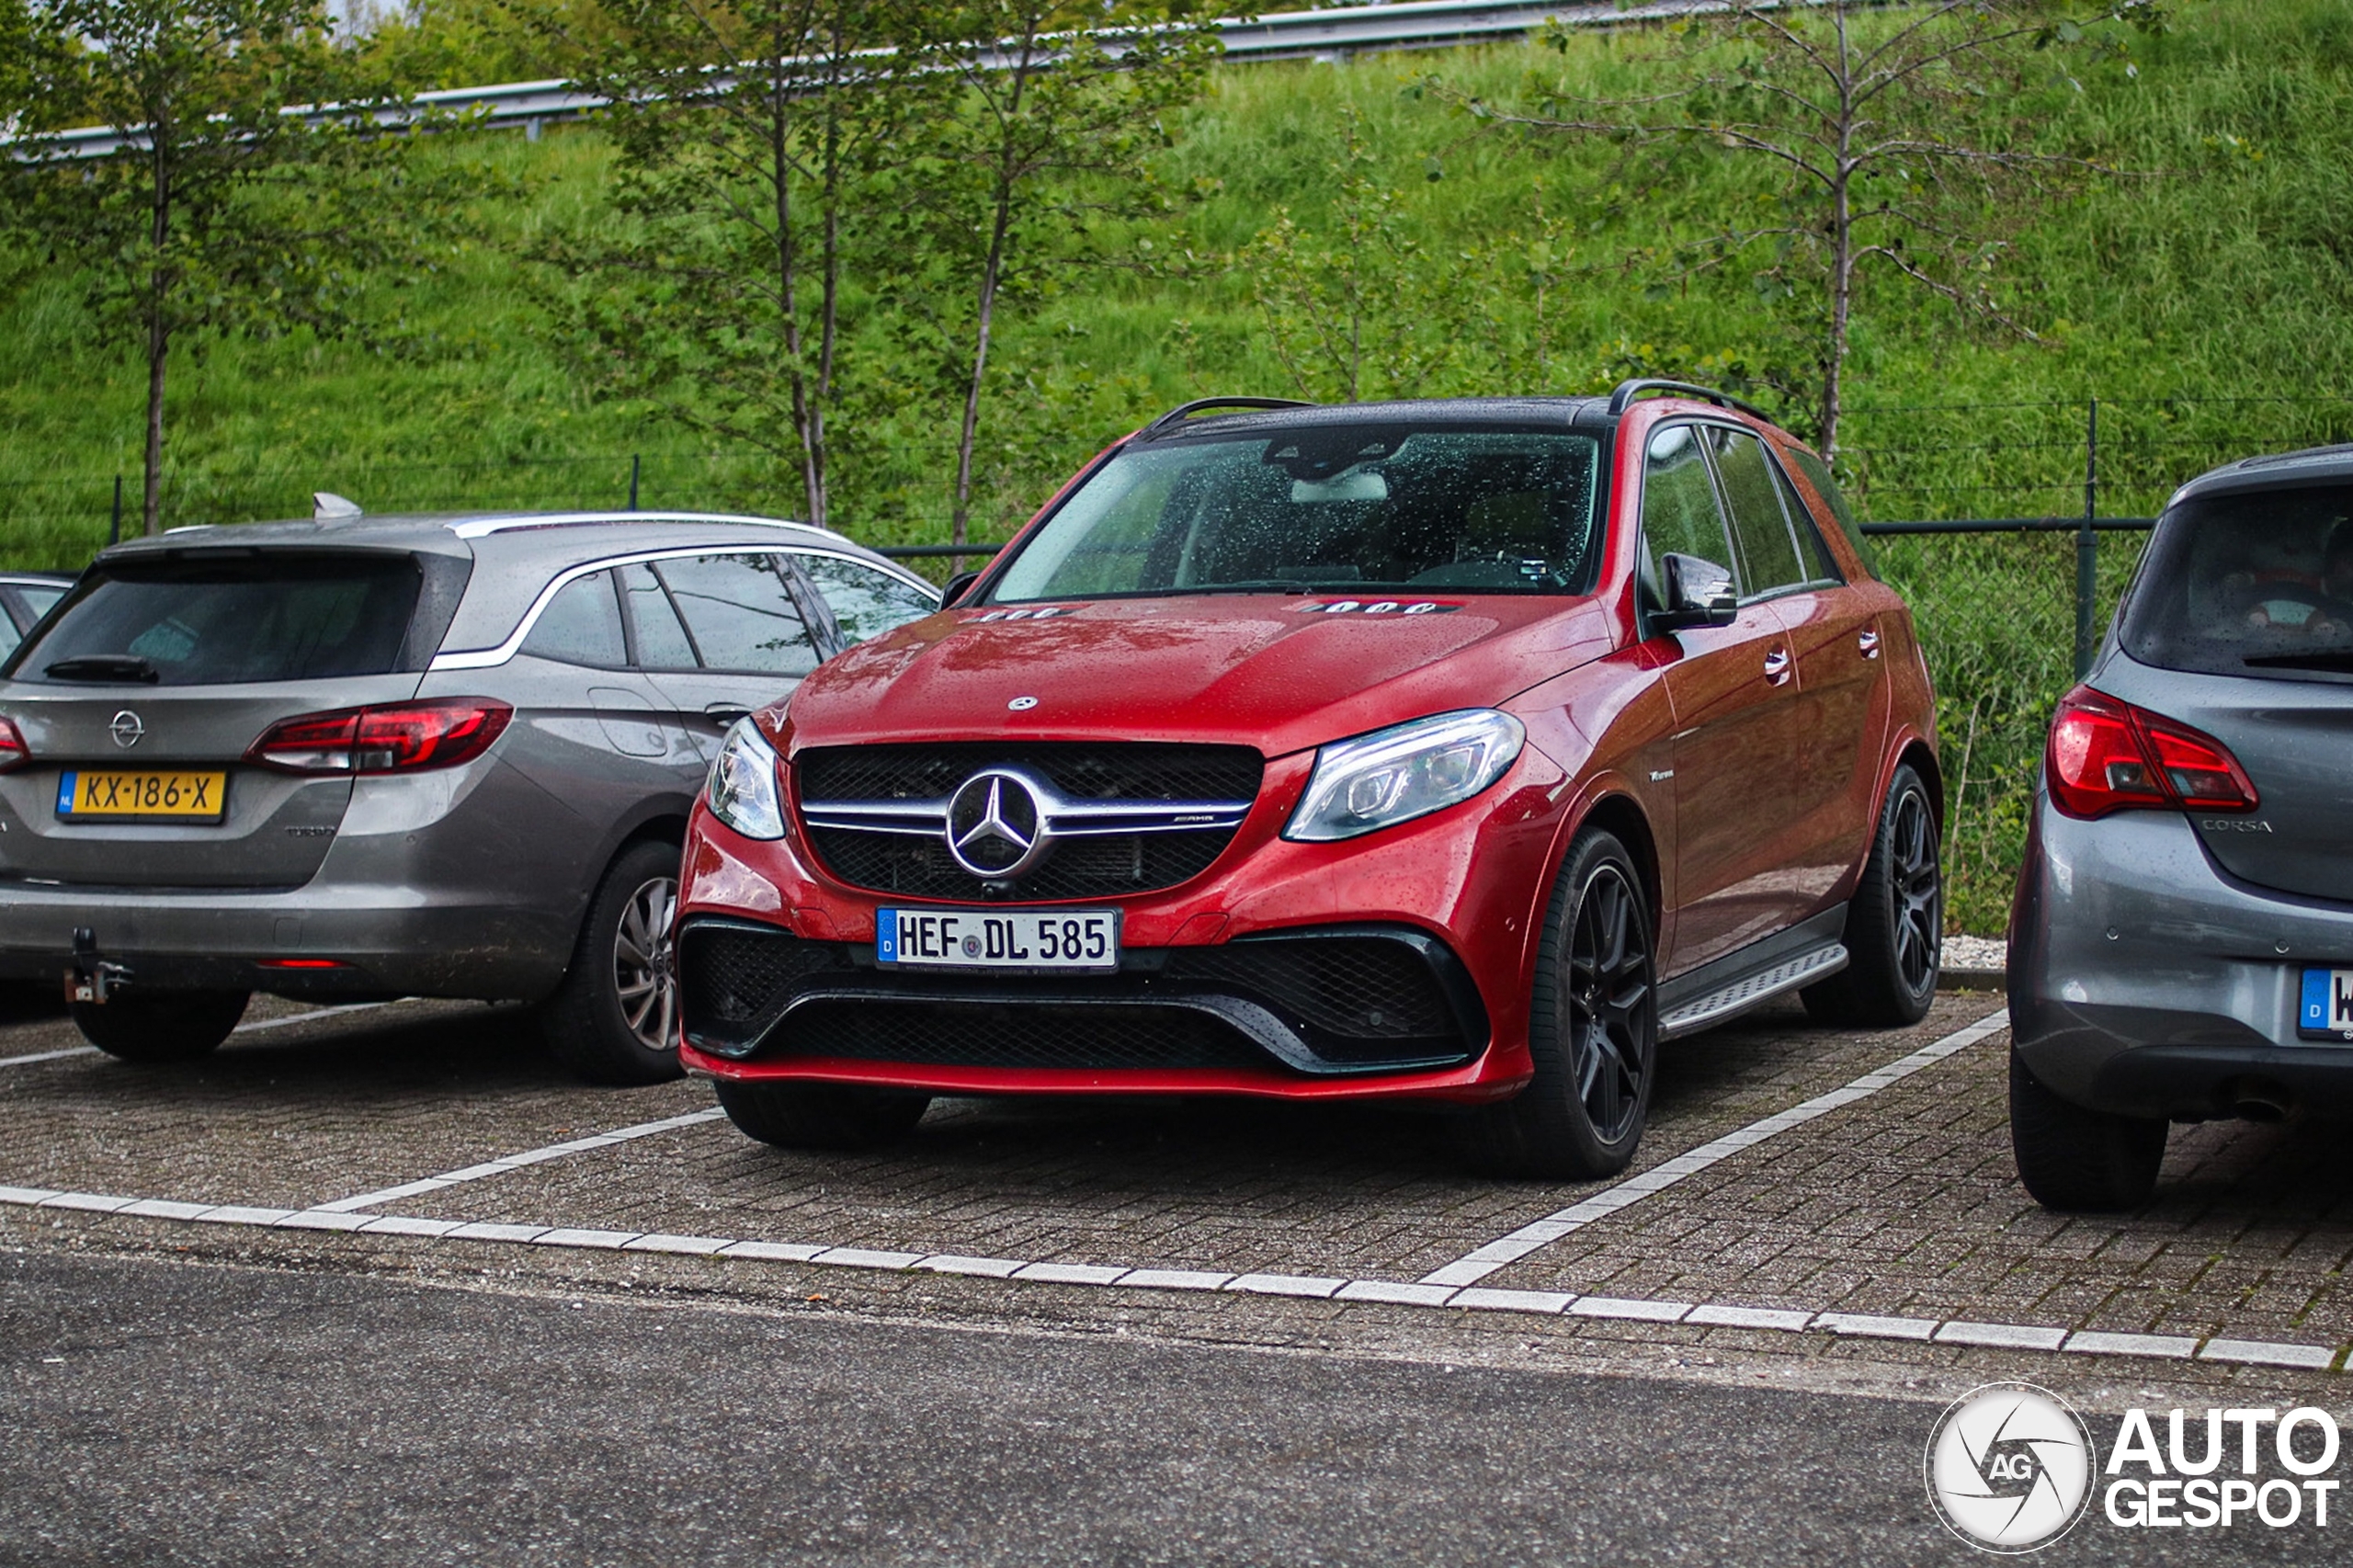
(2181, 944)
(401, 756)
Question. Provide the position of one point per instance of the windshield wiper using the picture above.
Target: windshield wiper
(123, 668)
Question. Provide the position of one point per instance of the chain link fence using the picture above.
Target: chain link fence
(1976, 508)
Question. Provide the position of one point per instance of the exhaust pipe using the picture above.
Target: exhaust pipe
(2255, 1100)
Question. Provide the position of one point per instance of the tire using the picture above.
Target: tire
(1592, 1029)
(615, 1018)
(1894, 923)
(821, 1116)
(152, 1027)
(2074, 1160)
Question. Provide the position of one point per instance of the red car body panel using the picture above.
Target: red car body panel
(1743, 792)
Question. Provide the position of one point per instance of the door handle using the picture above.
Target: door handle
(725, 714)
(1777, 667)
(1869, 644)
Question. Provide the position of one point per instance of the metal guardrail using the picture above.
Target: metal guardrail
(1292, 35)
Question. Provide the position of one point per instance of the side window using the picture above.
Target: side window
(1768, 551)
(1817, 473)
(741, 613)
(581, 625)
(38, 600)
(662, 641)
(1679, 511)
(1811, 549)
(866, 603)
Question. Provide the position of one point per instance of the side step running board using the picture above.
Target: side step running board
(1741, 994)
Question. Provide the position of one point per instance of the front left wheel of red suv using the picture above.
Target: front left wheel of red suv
(1592, 1029)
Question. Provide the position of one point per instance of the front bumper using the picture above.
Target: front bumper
(2145, 981)
(1459, 892)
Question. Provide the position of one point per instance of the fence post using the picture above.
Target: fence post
(114, 532)
(2087, 549)
(632, 476)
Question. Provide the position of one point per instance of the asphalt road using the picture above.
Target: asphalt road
(160, 1411)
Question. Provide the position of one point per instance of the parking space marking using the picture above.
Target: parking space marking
(1727, 1315)
(48, 1056)
(1473, 1267)
(382, 1195)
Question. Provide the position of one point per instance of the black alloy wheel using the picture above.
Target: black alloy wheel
(1609, 984)
(1592, 1029)
(1895, 922)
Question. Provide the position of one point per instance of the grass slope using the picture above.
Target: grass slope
(2206, 300)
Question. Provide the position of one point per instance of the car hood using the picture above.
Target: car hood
(1277, 672)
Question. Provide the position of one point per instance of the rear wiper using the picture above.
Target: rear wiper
(2315, 659)
(110, 667)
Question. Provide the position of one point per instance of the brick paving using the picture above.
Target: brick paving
(1903, 1204)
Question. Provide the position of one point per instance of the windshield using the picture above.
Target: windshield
(250, 620)
(1326, 509)
(2255, 583)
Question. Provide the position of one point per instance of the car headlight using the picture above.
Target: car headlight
(742, 789)
(1408, 770)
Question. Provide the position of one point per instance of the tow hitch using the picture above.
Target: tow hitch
(93, 979)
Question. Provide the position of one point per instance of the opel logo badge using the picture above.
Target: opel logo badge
(995, 826)
(126, 729)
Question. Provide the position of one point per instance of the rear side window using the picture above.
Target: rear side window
(661, 638)
(581, 625)
(866, 603)
(243, 620)
(1817, 473)
(2257, 584)
(740, 613)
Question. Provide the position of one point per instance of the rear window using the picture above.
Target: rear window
(2255, 583)
(240, 622)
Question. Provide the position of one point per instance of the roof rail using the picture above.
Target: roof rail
(1627, 392)
(1178, 415)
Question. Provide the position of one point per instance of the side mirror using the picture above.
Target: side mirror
(1697, 593)
(957, 586)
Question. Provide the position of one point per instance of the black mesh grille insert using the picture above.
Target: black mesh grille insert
(1362, 987)
(1101, 867)
(1044, 1036)
(1083, 771)
(731, 977)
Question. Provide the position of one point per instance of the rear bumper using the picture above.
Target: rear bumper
(2145, 981)
(378, 940)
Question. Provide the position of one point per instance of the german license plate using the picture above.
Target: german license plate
(85, 793)
(2327, 1012)
(1062, 940)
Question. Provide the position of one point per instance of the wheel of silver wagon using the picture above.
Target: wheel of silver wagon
(615, 1018)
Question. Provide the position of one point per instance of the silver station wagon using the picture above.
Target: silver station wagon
(365, 758)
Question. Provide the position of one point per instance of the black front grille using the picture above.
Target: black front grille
(1080, 771)
(1093, 866)
(734, 979)
(957, 1034)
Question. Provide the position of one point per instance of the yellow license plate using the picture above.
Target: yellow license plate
(174, 797)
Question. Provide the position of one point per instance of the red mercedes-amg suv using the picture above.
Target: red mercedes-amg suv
(1458, 750)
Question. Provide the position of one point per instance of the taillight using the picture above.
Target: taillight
(13, 752)
(2108, 755)
(398, 738)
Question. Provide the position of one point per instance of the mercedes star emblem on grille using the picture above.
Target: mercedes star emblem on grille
(994, 828)
(126, 729)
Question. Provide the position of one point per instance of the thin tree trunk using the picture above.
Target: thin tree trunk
(788, 265)
(159, 334)
(1008, 174)
(1842, 249)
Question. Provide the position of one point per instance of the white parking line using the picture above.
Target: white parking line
(513, 1163)
(1725, 1315)
(48, 1056)
(1472, 1267)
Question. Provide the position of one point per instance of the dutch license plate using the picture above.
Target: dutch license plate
(85, 793)
(998, 938)
(2326, 1011)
